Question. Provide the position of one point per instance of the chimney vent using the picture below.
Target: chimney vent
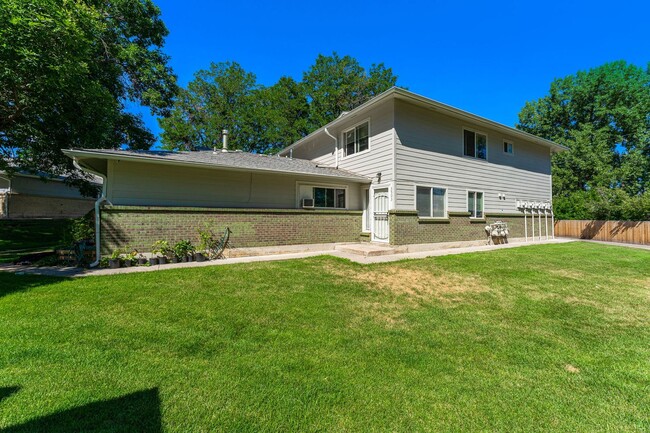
(224, 136)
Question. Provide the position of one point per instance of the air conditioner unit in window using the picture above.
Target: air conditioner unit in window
(308, 203)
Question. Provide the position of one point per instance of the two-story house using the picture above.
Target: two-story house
(401, 169)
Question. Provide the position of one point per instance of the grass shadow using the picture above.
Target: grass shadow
(21, 237)
(8, 391)
(13, 283)
(136, 412)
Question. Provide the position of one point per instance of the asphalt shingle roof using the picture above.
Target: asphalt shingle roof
(234, 159)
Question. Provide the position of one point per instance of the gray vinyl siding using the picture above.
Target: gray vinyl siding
(377, 159)
(37, 187)
(148, 184)
(429, 151)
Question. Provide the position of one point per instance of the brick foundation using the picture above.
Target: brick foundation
(406, 228)
(140, 227)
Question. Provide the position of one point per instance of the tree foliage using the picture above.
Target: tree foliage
(336, 84)
(217, 98)
(68, 68)
(603, 116)
(265, 119)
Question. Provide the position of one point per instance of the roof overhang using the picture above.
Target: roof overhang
(96, 160)
(396, 93)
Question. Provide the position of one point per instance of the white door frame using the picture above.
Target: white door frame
(371, 209)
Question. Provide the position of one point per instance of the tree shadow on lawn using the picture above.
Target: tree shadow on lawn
(13, 283)
(8, 391)
(136, 412)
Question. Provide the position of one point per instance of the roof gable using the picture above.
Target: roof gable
(413, 98)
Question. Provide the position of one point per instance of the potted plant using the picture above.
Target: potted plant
(114, 259)
(129, 258)
(182, 250)
(162, 248)
(142, 260)
(206, 243)
(191, 249)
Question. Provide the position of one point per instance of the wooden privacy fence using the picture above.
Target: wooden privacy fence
(631, 232)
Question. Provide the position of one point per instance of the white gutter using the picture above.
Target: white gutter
(336, 146)
(98, 221)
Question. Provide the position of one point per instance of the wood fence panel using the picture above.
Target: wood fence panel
(631, 232)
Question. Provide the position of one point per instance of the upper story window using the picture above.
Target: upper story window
(508, 147)
(475, 204)
(356, 139)
(475, 144)
(329, 197)
(431, 202)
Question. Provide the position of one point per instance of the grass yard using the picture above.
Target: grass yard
(549, 338)
(21, 237)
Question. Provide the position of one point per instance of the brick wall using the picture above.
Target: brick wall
(139, 227)
(30, 206)
(407, 228)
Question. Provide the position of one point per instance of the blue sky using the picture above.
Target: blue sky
(486, 57)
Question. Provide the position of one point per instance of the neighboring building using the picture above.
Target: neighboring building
(400, 168)
(24, 195)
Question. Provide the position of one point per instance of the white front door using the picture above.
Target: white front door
(380, 204)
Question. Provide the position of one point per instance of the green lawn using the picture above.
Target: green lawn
(542, 338)
(21, 237)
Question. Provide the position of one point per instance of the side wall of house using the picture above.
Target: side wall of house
(377, 159)
(25, 206)
(147, 184)
(37, 187)
(429, 151)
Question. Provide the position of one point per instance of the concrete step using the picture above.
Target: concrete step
(366, 249)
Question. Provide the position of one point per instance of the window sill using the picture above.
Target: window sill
(477, 220)
(430, 220)
(355, 154)
(473, 158)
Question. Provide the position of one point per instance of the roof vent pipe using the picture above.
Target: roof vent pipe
(224, 137)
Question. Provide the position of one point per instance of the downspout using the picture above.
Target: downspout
(525, 226)
(336, 146)
(532, 218)
(98, 220)
(546, 222)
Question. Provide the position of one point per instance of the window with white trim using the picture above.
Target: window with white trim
(356, 139)
(329, 197)
(475, 144)
(475, 204)
(431, 202)
(508, 147)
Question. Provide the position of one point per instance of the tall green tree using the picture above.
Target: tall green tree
(603, 116)
(282, 114)
(217, 98)
(336, 84)
(68, 70)
(266, 119)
